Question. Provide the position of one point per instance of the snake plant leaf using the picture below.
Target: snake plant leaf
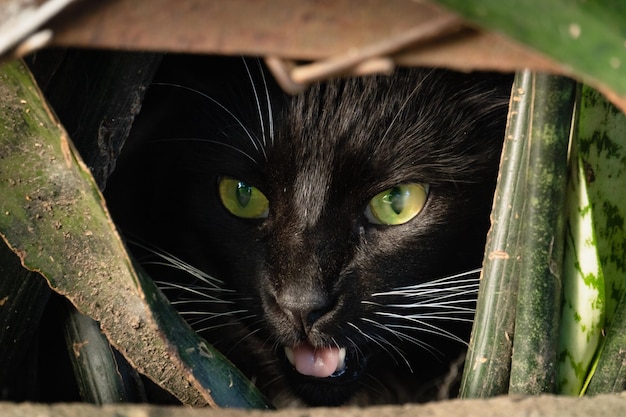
(583, 312)
(602, 138)
(535, 344)
(488, 364)
(592, 302)
(53, 216)
(514, 341)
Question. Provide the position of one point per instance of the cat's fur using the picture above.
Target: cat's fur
(319, 157)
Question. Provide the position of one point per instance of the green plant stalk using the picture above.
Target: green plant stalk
(23, 297)
(535, 345)
(521, 276)
(53, 216)
(101, 376)
(487, 366)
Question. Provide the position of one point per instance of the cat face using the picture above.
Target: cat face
(330, 239)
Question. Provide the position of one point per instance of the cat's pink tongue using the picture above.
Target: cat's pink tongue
(321, 362)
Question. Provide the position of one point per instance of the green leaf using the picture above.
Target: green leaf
(23, 297)
(53, 216)
(602, 142)
(602, 138)
(551, 100)
(587, 37)
(583, 313)
(103, 377)
(488, 364)
(520, 287)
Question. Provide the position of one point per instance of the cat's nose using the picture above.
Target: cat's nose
(304, 313)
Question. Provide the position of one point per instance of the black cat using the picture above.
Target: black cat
(327, 243)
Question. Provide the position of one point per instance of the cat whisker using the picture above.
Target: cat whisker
(355, 347)
(203, 302)
(449, 316)
(450, 301)
(249, 325)
(397, 351)
(334, 341)
(450, 296)
(452, 309)
(440, 284)
(462, 305)
(239, 299)
(403, 336)
(253, 140)
(258, 104)
(199, 286)
(424, 327)
(209, 328)
(402, 107)
(219, 326)
(199, 330)
(177, 263)
(276, 346)
(193, 290)
(256, 100)
(205, 316)
(250, 334)
(195, 295)
(270, 113)
(271, 340)
(450, 287)
(380, 343)
(213, 142)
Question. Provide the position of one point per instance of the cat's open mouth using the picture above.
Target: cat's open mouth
(323, 363)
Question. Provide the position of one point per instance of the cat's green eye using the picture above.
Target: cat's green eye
(242, 199)
(397, 205)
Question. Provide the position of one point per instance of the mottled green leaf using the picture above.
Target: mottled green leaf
(583, 314)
